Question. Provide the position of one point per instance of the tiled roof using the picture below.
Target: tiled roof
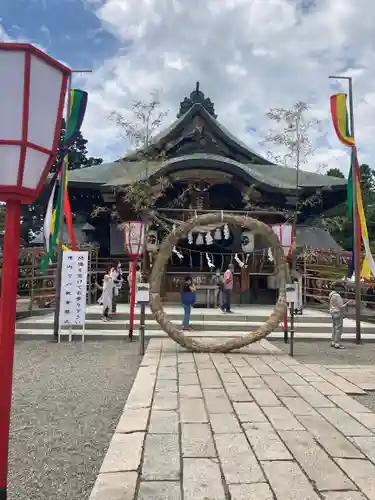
(124, 172)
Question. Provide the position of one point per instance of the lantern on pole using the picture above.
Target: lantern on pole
(134, 239)
(32, 98)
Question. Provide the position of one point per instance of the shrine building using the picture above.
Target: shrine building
(207, 169)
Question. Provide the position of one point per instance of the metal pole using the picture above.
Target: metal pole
(142, 329)
(64, 169)
(356, 243)
(291, 345)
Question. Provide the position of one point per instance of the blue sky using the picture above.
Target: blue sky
(249, 56)
(68, 29)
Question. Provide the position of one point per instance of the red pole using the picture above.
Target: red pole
(7, 331)
(132, 298)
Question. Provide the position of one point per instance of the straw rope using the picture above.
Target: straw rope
(158, 271)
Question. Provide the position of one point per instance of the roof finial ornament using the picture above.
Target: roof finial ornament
(197, 97)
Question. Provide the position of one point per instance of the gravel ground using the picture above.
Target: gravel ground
(67, 399)
(320, 352)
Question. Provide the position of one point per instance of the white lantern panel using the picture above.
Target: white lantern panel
(9, 162)
(134, 237)
(287, 238)
(35, 163)
(284, 233)
(12, 64)
(276, 230)
(45, 89)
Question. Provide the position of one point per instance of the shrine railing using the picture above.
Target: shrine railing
(322, 269)
(36, 290)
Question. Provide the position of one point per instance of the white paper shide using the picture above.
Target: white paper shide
(73, 289)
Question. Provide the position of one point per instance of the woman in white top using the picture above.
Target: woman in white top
(106, 298)
(336, 310)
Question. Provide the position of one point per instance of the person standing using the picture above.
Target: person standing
(116, 274)
(106, 298)
(336, 310)
(188, 298)
(227, 289)
(218, 281)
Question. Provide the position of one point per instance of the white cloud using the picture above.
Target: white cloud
(249, 55)
(3, 34)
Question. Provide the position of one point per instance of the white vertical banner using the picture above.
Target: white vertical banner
(73, 288)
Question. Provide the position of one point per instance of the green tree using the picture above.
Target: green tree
(368, 185)
(32, 215)
(77, 155)
(335, 172)
(341, 227)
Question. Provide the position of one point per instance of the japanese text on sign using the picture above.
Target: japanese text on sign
(73, 288)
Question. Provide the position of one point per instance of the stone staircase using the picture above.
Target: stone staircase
(212, 323)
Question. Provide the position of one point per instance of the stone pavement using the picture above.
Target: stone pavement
(252, 425)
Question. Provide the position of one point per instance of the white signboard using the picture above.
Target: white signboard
(142, 295)
(291, 293)
(73, 288)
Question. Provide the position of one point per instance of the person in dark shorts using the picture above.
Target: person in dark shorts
(188, 298)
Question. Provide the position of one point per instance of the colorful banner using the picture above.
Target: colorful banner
(340, 119)
(68, 211)
(368, 266)
(51, 229)
(53, 226)
(77, 110)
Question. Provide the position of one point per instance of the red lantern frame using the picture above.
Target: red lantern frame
(18, 192)
(14, 195)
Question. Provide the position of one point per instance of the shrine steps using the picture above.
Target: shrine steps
(209, 323)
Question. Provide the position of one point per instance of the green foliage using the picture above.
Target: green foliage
(77, 156)
(341, 227)
(335, 172)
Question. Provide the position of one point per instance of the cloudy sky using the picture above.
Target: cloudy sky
(249, 55)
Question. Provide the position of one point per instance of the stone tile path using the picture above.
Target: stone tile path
(252, 425)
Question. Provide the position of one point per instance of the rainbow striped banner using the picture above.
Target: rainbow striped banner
(77, 110)
(340, 120)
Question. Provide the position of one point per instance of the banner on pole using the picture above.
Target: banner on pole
(73, 288)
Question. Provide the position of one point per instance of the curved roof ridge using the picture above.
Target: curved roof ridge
(163, 134)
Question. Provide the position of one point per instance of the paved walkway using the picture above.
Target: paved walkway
(253, 425)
